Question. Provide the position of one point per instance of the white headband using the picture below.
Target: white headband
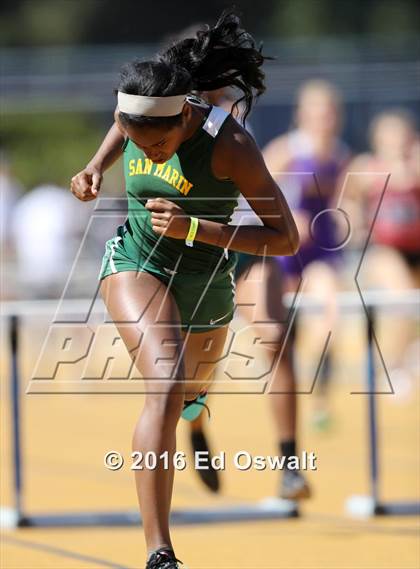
(150, 106)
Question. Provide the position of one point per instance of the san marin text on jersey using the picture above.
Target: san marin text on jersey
(165, 171)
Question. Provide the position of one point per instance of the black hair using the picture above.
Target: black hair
(224, 55)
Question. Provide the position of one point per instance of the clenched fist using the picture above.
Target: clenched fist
(168, 218)
(86, 184)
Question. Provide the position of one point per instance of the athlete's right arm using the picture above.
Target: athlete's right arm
(86, 184)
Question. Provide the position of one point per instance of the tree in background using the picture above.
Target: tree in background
(65, 22)
(303, 18)
(48, 148)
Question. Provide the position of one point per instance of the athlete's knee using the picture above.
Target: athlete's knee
(158, 419)
(166, 403)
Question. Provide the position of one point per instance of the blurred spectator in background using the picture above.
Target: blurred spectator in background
(10, 191)
(389, 172)
(307, 163)
(392, 165)
(47, 226)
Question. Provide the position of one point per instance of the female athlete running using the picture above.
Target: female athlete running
(167, 276)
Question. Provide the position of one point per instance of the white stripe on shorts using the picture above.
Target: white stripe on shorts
(111, 257)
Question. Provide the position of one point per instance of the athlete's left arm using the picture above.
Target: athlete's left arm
(237, 157)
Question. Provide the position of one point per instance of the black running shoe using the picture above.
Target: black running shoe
(209, 476)
(163, 559)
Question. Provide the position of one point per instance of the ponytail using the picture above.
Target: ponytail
(221, 56)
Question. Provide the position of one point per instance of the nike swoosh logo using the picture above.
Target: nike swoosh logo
(170, 271)
(218, 319)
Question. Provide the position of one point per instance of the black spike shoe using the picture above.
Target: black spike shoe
(163, 559)
(209, 476)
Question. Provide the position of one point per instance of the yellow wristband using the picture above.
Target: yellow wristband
(192, 231)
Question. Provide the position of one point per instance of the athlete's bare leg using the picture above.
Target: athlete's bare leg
(202, 352)
(385, 268)
(136, 301)
(140, 304)
(259, 297)
(321, 281)
(260, 287)
(197, 424)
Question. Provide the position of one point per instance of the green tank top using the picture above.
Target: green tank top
(186, 179)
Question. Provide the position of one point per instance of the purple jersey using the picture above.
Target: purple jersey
(309, 187)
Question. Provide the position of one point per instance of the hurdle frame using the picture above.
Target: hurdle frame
(268, 509)
(373, 505)
(368, 302)
(360, 506)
